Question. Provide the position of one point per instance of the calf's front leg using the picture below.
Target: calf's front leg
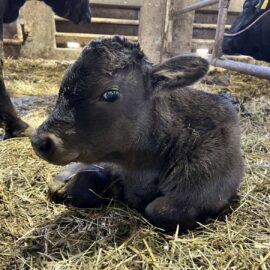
(84, 186)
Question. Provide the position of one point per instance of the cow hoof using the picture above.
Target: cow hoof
(26, 132)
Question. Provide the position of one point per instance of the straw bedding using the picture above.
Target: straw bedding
(37, 234)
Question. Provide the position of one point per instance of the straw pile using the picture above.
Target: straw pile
(37, 234)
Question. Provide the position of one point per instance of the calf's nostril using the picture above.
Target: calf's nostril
(45, 147)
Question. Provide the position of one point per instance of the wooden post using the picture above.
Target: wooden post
(178, 30)
(151, 31)
(1, 48)
(222, 19)
(40, 20)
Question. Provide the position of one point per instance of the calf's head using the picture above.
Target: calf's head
(104, 104)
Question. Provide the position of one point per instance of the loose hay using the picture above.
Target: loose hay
(37, 234)
(30, 77)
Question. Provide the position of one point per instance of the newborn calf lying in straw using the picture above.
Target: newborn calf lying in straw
(175, 150)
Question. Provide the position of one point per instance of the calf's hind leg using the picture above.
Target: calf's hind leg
(164, 213)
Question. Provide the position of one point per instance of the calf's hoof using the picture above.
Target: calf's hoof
(57, 191)
(86, 188)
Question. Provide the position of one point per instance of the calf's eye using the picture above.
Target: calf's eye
(111, 95)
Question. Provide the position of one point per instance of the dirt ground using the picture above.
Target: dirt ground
(37, 234)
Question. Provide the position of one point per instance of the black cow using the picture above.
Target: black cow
(250, 34)
(74, 10)
(175, 150)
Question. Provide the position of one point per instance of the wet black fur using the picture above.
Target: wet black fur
(175, 150)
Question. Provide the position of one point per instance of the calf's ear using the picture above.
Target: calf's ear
(179, 71)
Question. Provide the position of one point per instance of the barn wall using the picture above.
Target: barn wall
(160, 37)
(203, 27)
(41, 43)
(151, 33)
(178, 30)
(235, 6)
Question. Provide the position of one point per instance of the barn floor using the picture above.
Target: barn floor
(37, 234)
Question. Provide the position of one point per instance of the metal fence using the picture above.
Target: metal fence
(216, 59)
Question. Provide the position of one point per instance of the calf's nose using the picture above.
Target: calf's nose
(43, 145)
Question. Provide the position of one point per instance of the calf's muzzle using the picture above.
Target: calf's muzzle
(44, 145)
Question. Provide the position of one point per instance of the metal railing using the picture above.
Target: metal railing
(216, 59)
(201, 4)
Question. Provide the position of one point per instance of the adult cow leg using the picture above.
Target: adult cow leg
(9, 119)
